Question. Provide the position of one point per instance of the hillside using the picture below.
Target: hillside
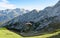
(4, 33)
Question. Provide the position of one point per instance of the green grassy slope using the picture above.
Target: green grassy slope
(4, 33)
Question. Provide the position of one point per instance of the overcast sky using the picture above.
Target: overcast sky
(26, 4)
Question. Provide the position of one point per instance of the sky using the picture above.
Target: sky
(26, 4)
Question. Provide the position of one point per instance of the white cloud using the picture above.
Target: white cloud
(6, 5)
(5, 1)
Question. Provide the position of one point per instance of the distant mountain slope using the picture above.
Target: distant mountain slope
(8, 14)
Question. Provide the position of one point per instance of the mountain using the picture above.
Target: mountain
(8, 14)
(36, 20)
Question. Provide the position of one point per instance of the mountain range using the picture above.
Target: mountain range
(35, 20)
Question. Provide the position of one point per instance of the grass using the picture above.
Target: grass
(4, 33)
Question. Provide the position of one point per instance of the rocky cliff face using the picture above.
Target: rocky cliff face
(39, 20)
